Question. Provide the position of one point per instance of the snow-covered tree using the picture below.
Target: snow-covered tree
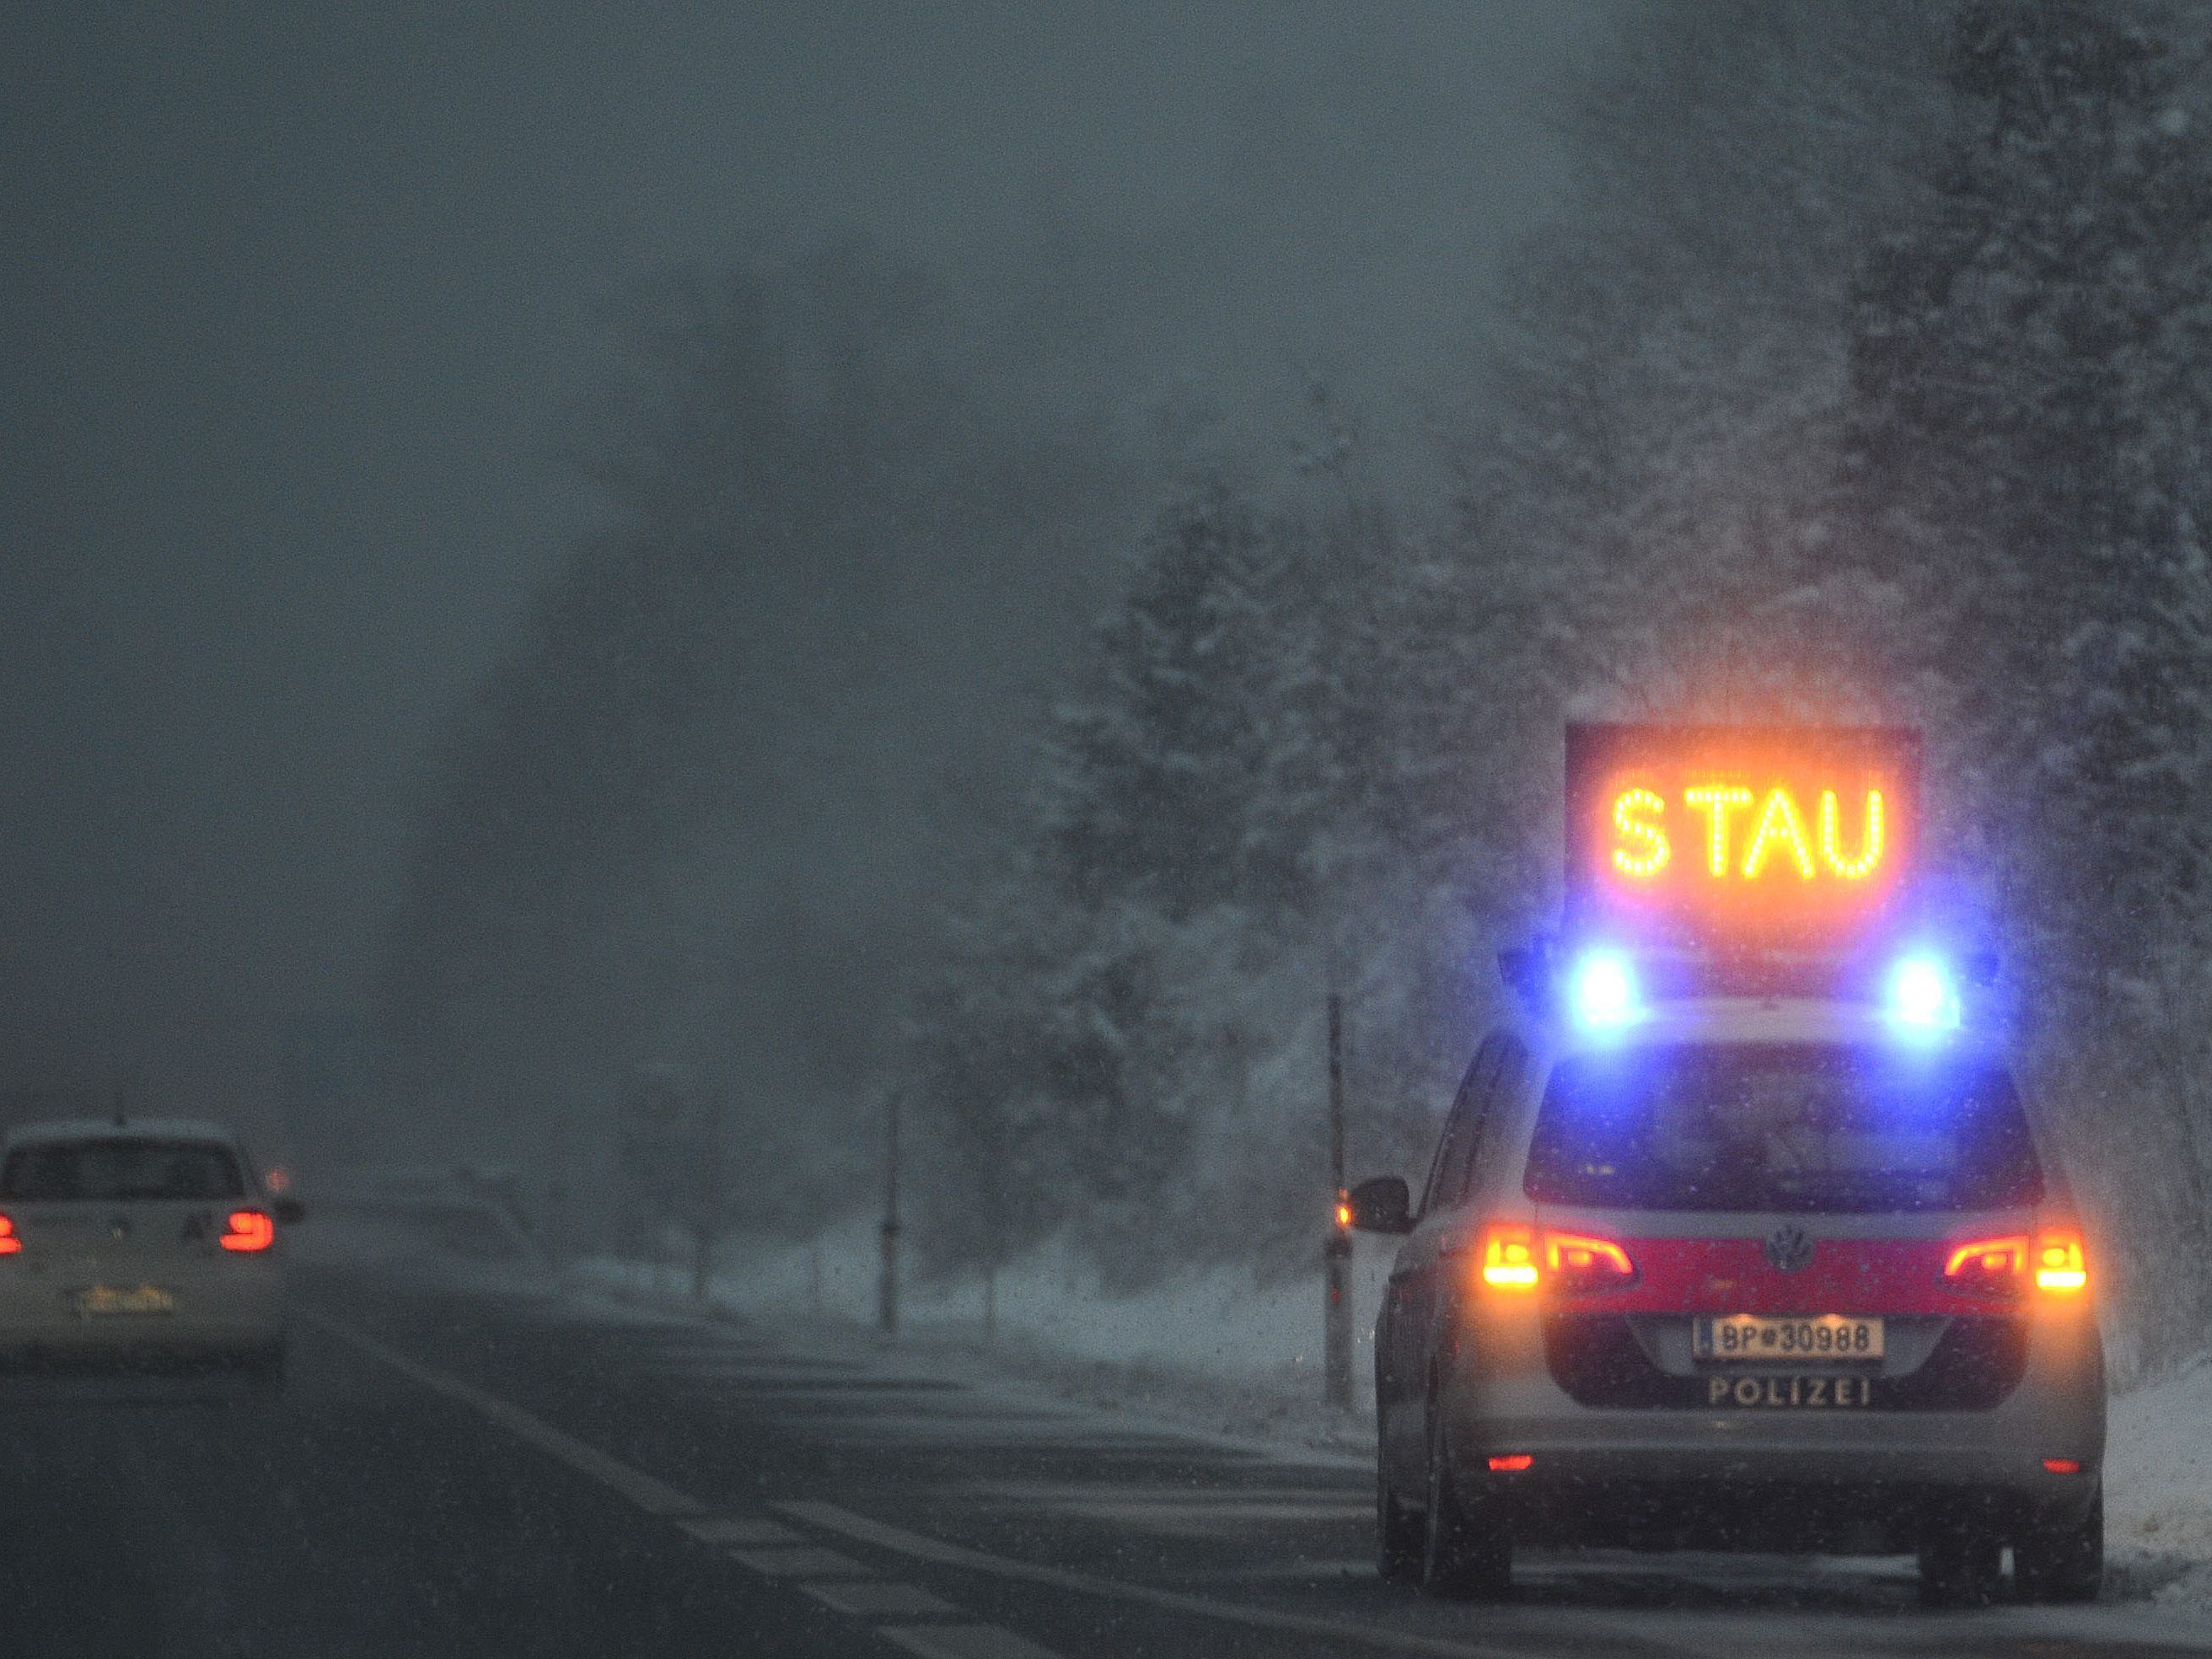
(2029, 417)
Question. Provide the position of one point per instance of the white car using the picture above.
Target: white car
(1741, 1271)
(139, 1243)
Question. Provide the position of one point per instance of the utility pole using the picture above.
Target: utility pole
(887, 1288)
(1336, 1349)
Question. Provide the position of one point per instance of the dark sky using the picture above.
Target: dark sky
(293, 296)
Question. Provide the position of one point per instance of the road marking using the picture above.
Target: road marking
(963, 1642)
(803, 1562)
(657, 1497)
(870, 1600)
(916, 1547)
(739, 1529)
(653, 1497)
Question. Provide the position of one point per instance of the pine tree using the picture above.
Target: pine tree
(2029, 420)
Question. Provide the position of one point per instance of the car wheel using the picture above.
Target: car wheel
(1961, 1561)
(1466, 1551)
(1398, 1533)
(2062, 1562)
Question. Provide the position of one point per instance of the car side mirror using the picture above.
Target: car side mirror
(1381, 1206)
(289, 1211)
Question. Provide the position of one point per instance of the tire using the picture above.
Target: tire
(1467, 1553)
(1961, 1562)
(2064, 1561)
(1398, 1534)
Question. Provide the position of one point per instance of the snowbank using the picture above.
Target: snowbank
(1212, 1350)
(2158, 1489)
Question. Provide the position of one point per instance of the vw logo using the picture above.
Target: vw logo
(1789, 1249)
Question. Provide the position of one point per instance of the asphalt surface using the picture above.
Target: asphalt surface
(469, 1464)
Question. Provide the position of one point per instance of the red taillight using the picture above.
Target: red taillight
(1988, 1266)
(1578, 1265)
(2063, 1465)
(250, 1229)
(2052, 1262)
(1516, 1257)
(1511, 1463)
(10, 1244)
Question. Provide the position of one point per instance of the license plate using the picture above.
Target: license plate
(102, 1300)
(1810, 1336)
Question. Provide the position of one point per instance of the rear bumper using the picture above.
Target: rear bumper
(229, 1308)
(1851, 1465)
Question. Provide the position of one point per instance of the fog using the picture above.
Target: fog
(295, 304)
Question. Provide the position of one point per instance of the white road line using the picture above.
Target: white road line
(871, 1600)
(963, 1642)
(915, 1546)
(653, 1497)
(803, 1562)
(657, 1497)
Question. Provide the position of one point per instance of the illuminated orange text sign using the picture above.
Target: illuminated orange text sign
(1765, 834)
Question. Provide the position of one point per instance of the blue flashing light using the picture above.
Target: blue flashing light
(1921, 996)
(1601, 990)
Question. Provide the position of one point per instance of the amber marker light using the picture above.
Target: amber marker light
(2059, 1266)
(1509, 1258)
(1343, 1214)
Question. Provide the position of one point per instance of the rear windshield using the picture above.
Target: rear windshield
(1804, 1127)
(120, 1169)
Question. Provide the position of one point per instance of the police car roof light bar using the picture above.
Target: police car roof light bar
(1550, 975)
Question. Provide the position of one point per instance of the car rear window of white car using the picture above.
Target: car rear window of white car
(1780, 1126)
(112, 1170)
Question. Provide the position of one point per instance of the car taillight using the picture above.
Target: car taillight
(250, 1229)
(10, 1244)
(1508, 1256)
(1578, 1265)
(1516, 1257)
(2052, 1262)
(1988, 1266)
(2060, 1266)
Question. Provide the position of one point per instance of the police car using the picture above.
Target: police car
(141, 1243)
(1739, 1234)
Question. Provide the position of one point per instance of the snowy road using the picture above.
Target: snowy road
(465, 1469)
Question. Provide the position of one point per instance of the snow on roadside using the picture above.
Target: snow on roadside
(1212, 1350)
(2158, 1490)
(1215, 1352)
